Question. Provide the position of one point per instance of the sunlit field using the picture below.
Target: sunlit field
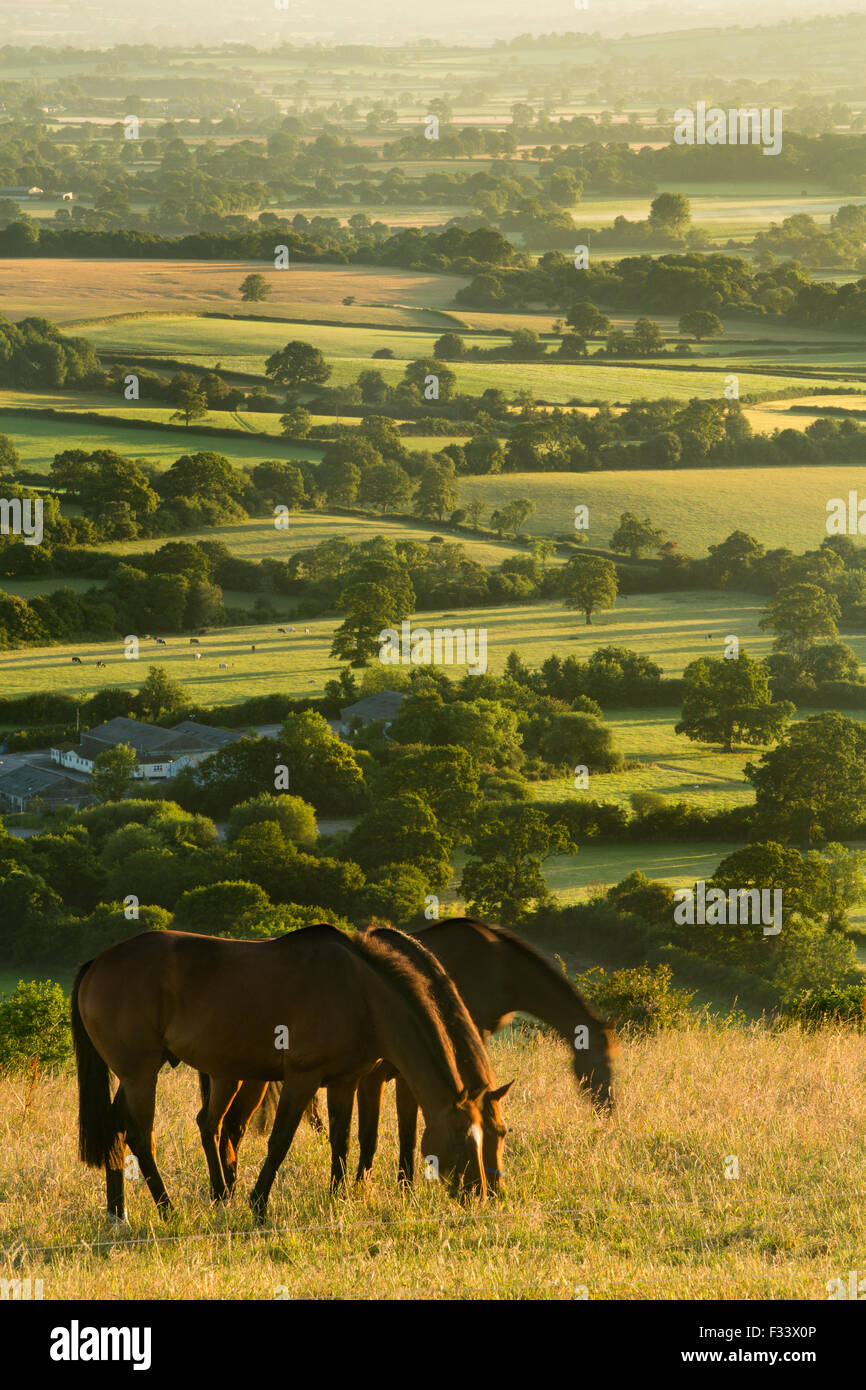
(637, 1206)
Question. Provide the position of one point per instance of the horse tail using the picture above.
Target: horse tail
(95, 1129)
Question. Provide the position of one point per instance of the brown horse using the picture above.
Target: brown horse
(311, 1008)
(472, 1061)
(496, 974)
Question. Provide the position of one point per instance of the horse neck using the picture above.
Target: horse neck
(416, 1046)
(539, 990)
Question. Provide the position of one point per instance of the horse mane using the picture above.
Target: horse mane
(406, 980)
(523, 948)
(445, 993)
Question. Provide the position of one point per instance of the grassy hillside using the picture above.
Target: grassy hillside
(637, 1206)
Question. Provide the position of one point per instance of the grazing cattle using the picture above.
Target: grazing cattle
(194, 642)
(100, 663)
(223, 666)
(76, 661)
(161, 642)
(306, 632)
(282, 630)
(252, 646)
(291, 629)
(196, 656)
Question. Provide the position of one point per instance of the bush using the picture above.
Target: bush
(34, 1022)
(812, 1007)
(642, 999)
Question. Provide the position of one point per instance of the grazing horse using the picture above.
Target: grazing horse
(76, 661)
(472, 1061)
(497, 973)
(194, 642)
(313, 1007)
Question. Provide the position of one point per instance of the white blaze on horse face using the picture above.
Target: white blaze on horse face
(475, 1131)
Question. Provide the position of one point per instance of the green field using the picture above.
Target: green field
(243, 345)
(669, 628)
(696, 507)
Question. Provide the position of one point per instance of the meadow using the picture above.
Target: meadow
(636, 1206)
(696, 507)
(669, 628)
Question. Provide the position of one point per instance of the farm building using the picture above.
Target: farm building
(20, 788)
(384, 706)
(160, 752)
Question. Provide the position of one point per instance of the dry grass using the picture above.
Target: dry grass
(73, 291)
(635, 1207)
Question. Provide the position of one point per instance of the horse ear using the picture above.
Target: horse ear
(502, 1092)
(479, 1096)
(463, 1096)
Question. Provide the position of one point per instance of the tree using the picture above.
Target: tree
(589, 583)
(339, 480)
(646, 337)
(812, 786)
(322, 769)
(255, 288)
(160, 695)
(229, 908)
(417, 376)
(297, 422)
(574, 739)
(801, 615)
(449, 348)
(701, 324)
(503, 873)
(587, 320)
(437, 494)
(670, 214)
(635, 536)
(10, 459)
(369, 610)
(386, 485)
(402, 829)
(113, 772)
(727, 701)
(295, 817)
(445, 777)
(297, 364)
(191, 405)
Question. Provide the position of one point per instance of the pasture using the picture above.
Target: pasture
(669, 628)
(696, 507)
(636, 1206)
(101, 287)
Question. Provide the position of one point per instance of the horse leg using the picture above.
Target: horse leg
(140, 1103)
(407, 1127)
(217, 1096)
(341, 1099)
(296, 1094)
(370, 1091)
(245, 1104)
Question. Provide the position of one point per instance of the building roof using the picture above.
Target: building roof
(206, 734)
(384, 705)
(30, 781)
(152, 742)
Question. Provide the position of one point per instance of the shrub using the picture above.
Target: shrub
(34, 1022)
(641, 998)
(812, 1007)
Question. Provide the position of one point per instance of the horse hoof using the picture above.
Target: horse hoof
(116, 1220)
